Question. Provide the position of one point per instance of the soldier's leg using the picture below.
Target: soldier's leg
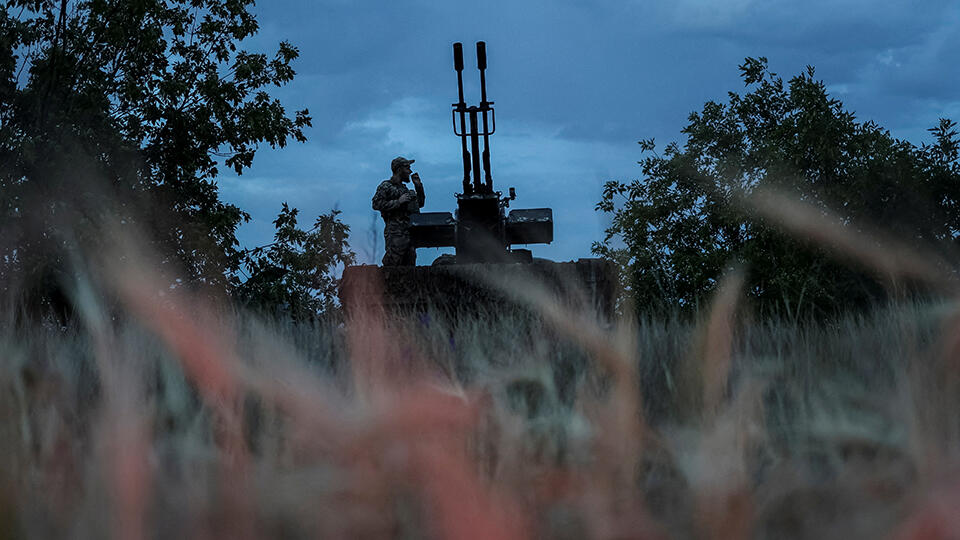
(392, 256)
(407, 254)
(394, 246)
(410, 257)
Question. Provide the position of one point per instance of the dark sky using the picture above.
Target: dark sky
(576, 84)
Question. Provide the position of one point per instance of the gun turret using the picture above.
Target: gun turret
(482, 231)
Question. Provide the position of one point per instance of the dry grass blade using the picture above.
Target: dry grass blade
(200, 342)
(621, 431)
(718, 471)
(463, 508)
(935, 518)
(123, 427)
(718, 341)
(890, 260)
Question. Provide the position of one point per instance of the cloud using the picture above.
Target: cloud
(576, 84)
(706, 14)
(814, 25)
(927, 70)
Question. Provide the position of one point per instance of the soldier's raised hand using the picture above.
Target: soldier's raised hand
(415, 177)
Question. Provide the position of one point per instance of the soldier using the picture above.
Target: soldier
(396, 202)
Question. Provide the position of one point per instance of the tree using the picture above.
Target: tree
(677, 229)
(294, 274)
(123, 111)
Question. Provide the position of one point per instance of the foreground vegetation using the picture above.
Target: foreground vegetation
(131, 408)
(165, 416)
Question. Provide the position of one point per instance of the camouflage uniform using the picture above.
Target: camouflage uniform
(396, 219)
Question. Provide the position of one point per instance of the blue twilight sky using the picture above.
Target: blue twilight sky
(576, 84)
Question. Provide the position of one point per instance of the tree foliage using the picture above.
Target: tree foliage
(127, 109)
(679, 227)
(293, 275)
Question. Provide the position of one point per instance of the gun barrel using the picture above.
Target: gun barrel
(481, 55)
(484, 108)
(461, 107)
(458, 56)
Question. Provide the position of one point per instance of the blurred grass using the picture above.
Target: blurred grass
(172, 418)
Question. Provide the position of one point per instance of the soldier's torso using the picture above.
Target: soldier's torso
(399, 219)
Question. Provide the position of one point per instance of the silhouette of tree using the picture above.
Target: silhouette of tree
(119, 114)
(293, 275)
(678, 228)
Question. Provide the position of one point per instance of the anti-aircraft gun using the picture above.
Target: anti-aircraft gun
(484, 235)
(481, 231)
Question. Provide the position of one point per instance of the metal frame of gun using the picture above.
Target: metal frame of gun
(481, 231)
(476, 113)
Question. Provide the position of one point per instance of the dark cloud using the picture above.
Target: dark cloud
(926, 71)
(576, 84)
(816, 26)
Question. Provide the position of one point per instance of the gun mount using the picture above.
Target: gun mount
(481, 231)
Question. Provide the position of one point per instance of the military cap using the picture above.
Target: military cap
(399, 162)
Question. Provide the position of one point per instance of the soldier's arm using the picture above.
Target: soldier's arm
(420, 196)
(383, 203)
